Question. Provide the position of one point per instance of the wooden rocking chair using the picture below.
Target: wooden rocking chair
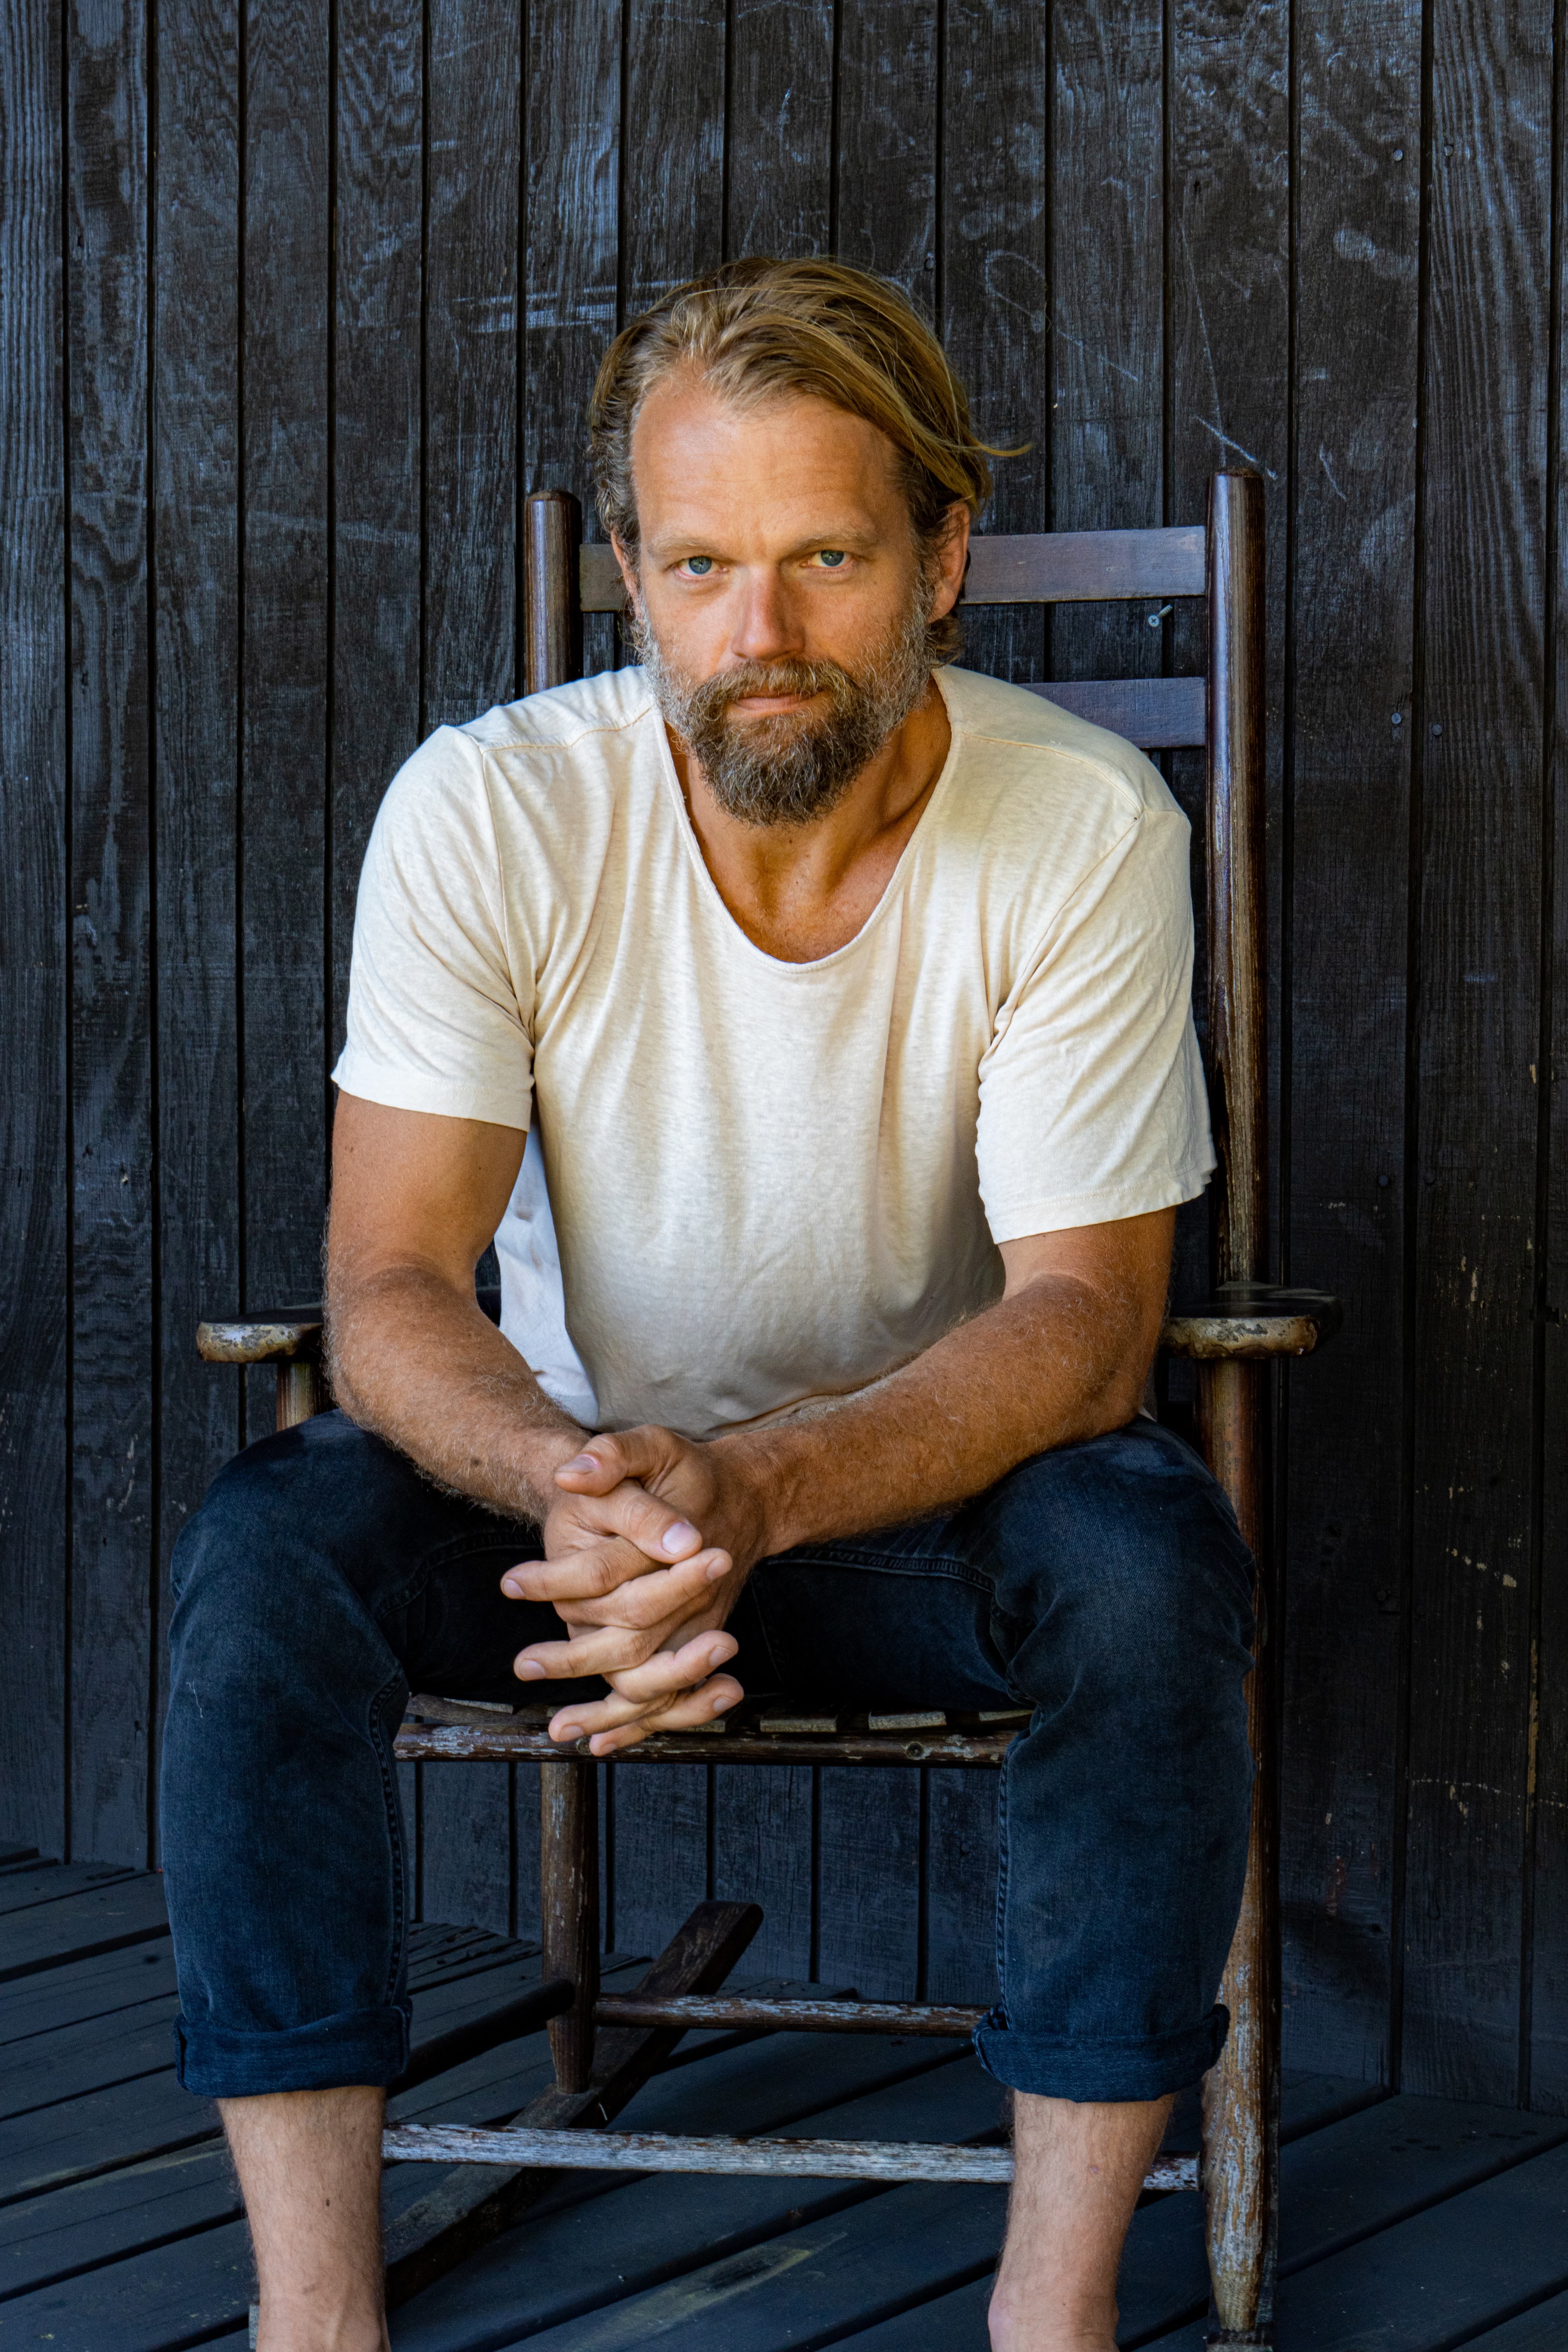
(605, 2046)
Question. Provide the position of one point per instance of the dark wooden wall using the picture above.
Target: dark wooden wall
(294, 306)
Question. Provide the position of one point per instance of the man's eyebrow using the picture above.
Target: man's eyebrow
(834, 534)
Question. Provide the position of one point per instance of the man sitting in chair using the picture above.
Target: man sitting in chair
(808, 1022)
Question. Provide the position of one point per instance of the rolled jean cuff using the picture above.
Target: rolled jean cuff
(332, 2054)
(1056, 2066)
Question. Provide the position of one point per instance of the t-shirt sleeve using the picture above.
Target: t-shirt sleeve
(1091, 1092)
(439, 1011)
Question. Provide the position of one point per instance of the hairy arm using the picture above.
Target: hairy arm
(416, 1201)
(1062, 1356)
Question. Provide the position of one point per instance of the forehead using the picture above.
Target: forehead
(697, 456)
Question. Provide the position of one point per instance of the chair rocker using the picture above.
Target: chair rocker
(605, 2046)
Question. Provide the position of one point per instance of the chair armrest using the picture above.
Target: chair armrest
(289, 1334)
(1249, 1321)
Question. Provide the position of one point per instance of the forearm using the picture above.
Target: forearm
(425, 1369)
(1056, 1364)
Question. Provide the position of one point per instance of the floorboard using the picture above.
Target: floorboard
(1408, 2225)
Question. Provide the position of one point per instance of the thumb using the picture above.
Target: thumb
(609, 1458)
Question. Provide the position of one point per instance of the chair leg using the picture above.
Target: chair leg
(569, 1899)
(1241, 2093)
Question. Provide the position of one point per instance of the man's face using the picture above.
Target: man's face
(783, 605)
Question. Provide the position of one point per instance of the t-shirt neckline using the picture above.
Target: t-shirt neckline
(896, 880)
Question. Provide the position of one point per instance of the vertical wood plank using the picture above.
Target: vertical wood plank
(994, 265)
(1107, 278)
(780, 129)
(1482, 590)
(378, 434)
(762, 1853)
(1356, 266)
(886, 165)
(195, 461)
(471, 356)
(673, 226)
(869, 1879)
(112, 1315)
(287, 325)
(33, 1200)
(1545, 2035)
(960, 1959)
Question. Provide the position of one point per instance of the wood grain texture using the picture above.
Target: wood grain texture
(378, 444)
(35, 1200)
(672, 191)
(779, 134)
(1107, 281)
(1351, 719)
(1481, 591)
(764, 1853)
(1545, 2010)
(195, 531)
(888, 90)
(994, 263)
(470, 358)
(286, 329)
(112, 1520)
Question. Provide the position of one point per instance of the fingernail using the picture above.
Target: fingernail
(716, 1571)
(715, 1706)
(529, 1669)
(512, 1589)
(581, 1462)
(680, 1536)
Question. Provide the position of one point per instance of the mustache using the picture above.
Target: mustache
(708, 702)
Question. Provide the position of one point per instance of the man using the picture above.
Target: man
(808, 1022)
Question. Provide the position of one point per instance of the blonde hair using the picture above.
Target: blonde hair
(762, 329)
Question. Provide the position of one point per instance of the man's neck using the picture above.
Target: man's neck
(799, 891)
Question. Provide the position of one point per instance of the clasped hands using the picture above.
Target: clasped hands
(645, 1555)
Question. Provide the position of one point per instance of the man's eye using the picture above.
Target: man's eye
(832, 556)
(700, 565)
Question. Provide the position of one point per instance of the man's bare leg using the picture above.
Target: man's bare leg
(310, 2168)
(1078, 2172)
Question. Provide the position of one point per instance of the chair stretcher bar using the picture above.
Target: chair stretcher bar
(810, 2159)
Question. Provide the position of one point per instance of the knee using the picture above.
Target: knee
(272, 1542)
(1123, 1565)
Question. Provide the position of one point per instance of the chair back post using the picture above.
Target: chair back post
(1240, 2165)
(568, 1790)
(553, 605)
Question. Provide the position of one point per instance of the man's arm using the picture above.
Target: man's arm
(1062, 1356)
(416, 1201)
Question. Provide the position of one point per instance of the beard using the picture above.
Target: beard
(795, 765)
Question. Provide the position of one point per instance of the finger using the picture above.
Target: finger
(619, 1720)
(591, 1572)
(667, 1671)
(666, 1598)
(615, 1650)
(615, 1454)
(629, 1509)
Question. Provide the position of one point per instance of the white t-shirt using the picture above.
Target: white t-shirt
(750, 1182)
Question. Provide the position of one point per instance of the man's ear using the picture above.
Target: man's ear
(629, 572)
(951, 559)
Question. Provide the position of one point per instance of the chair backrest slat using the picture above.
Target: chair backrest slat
(1081, 567)
(1059, 567)
(1158, 714)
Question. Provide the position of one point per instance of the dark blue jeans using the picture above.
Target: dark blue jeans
(1104, 1585)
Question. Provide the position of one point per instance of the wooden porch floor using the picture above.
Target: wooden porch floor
(1410, 2224)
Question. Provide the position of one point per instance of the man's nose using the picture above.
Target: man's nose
(766, 629)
